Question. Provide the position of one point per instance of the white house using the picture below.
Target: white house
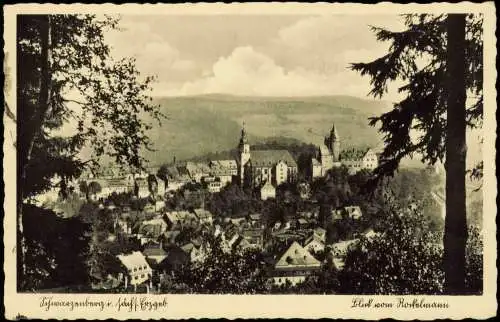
(294, 265)
(267, 191)
(316, 168)
(136, 267)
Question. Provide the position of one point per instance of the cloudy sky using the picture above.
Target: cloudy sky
(278, 55)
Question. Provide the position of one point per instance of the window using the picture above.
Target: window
(142, 276)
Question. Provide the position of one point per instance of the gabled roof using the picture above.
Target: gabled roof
(312, 238)
(188, 247)
(134, 260)
(269, 158)
(151, 230)
(268, 186)
(324, 150)
(243, 243)
(179, 216)
(353, 209)
(353, 154)
(319, 231)
(315, 162)
(154, 250)
(252, 232)
(202, 213)
(297, 256)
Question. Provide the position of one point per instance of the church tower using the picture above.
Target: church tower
(334, 145)
(244, 153)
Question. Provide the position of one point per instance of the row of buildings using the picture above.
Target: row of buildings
(259, 169)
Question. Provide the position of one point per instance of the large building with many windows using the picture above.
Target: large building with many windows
(257, 167)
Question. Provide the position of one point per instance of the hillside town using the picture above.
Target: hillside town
(191, 161)
(166, 238)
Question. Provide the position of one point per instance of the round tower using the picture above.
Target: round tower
(334, 143)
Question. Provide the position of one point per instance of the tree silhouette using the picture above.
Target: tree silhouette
(94, 188)
(440, 59)
(66, 75)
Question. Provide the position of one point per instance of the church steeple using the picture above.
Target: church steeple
(334, 145)
(243, 138)
(244, 153)
(333, 134)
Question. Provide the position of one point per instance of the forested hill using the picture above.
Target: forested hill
(206, 124)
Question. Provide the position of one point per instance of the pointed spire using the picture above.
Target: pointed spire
(243, 134)
(333, 133)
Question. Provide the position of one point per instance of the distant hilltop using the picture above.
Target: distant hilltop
(208, 124)
(346, 101)
(202, 124)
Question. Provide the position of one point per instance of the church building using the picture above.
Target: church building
(257, 167)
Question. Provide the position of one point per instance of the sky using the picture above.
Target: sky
(253, 55)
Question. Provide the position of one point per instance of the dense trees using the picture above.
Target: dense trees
(440, 59)
(406, 259)
(56, 250)
(229, 273)
(380, 265)
(66, 79)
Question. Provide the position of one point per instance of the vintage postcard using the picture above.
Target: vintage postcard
(265, 160)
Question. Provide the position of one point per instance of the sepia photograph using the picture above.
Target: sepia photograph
(249, 153)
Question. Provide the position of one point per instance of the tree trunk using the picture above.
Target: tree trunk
(35, 125)
(455, 232)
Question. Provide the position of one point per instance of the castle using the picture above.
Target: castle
(331, 156)
(257, 167)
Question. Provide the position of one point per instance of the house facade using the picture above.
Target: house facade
(294, 266)
(267, 191)
(136, 268)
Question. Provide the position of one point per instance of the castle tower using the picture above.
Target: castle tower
(334, 145)
(244, 153)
